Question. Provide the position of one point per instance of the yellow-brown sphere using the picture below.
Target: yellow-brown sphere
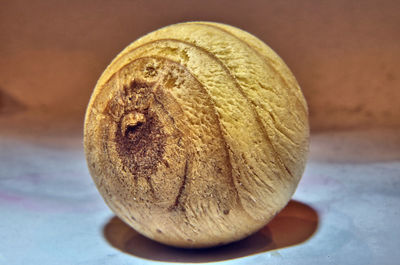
(196, 134)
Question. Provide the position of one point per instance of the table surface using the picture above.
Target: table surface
(344, 211)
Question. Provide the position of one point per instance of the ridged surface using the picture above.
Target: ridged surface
(196, 134)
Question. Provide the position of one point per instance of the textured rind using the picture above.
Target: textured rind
(225, 129)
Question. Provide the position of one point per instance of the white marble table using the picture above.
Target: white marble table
(346, 209)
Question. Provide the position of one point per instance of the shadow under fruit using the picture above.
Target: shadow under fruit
(295, 224)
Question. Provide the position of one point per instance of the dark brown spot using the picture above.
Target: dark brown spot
(131, 129)
(166, 163)
(140, 139)
(226, 212)
(181, 189)
(150, 71)
(287, 169)
(159, 231)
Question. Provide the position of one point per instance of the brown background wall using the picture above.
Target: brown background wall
(345, 54)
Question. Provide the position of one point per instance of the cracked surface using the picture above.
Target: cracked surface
(199, 131)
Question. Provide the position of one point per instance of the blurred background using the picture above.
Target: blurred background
(346, 57)
(345, 54)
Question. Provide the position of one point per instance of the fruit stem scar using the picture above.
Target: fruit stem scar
(132, 121)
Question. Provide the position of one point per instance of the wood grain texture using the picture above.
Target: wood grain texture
(196, 134)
